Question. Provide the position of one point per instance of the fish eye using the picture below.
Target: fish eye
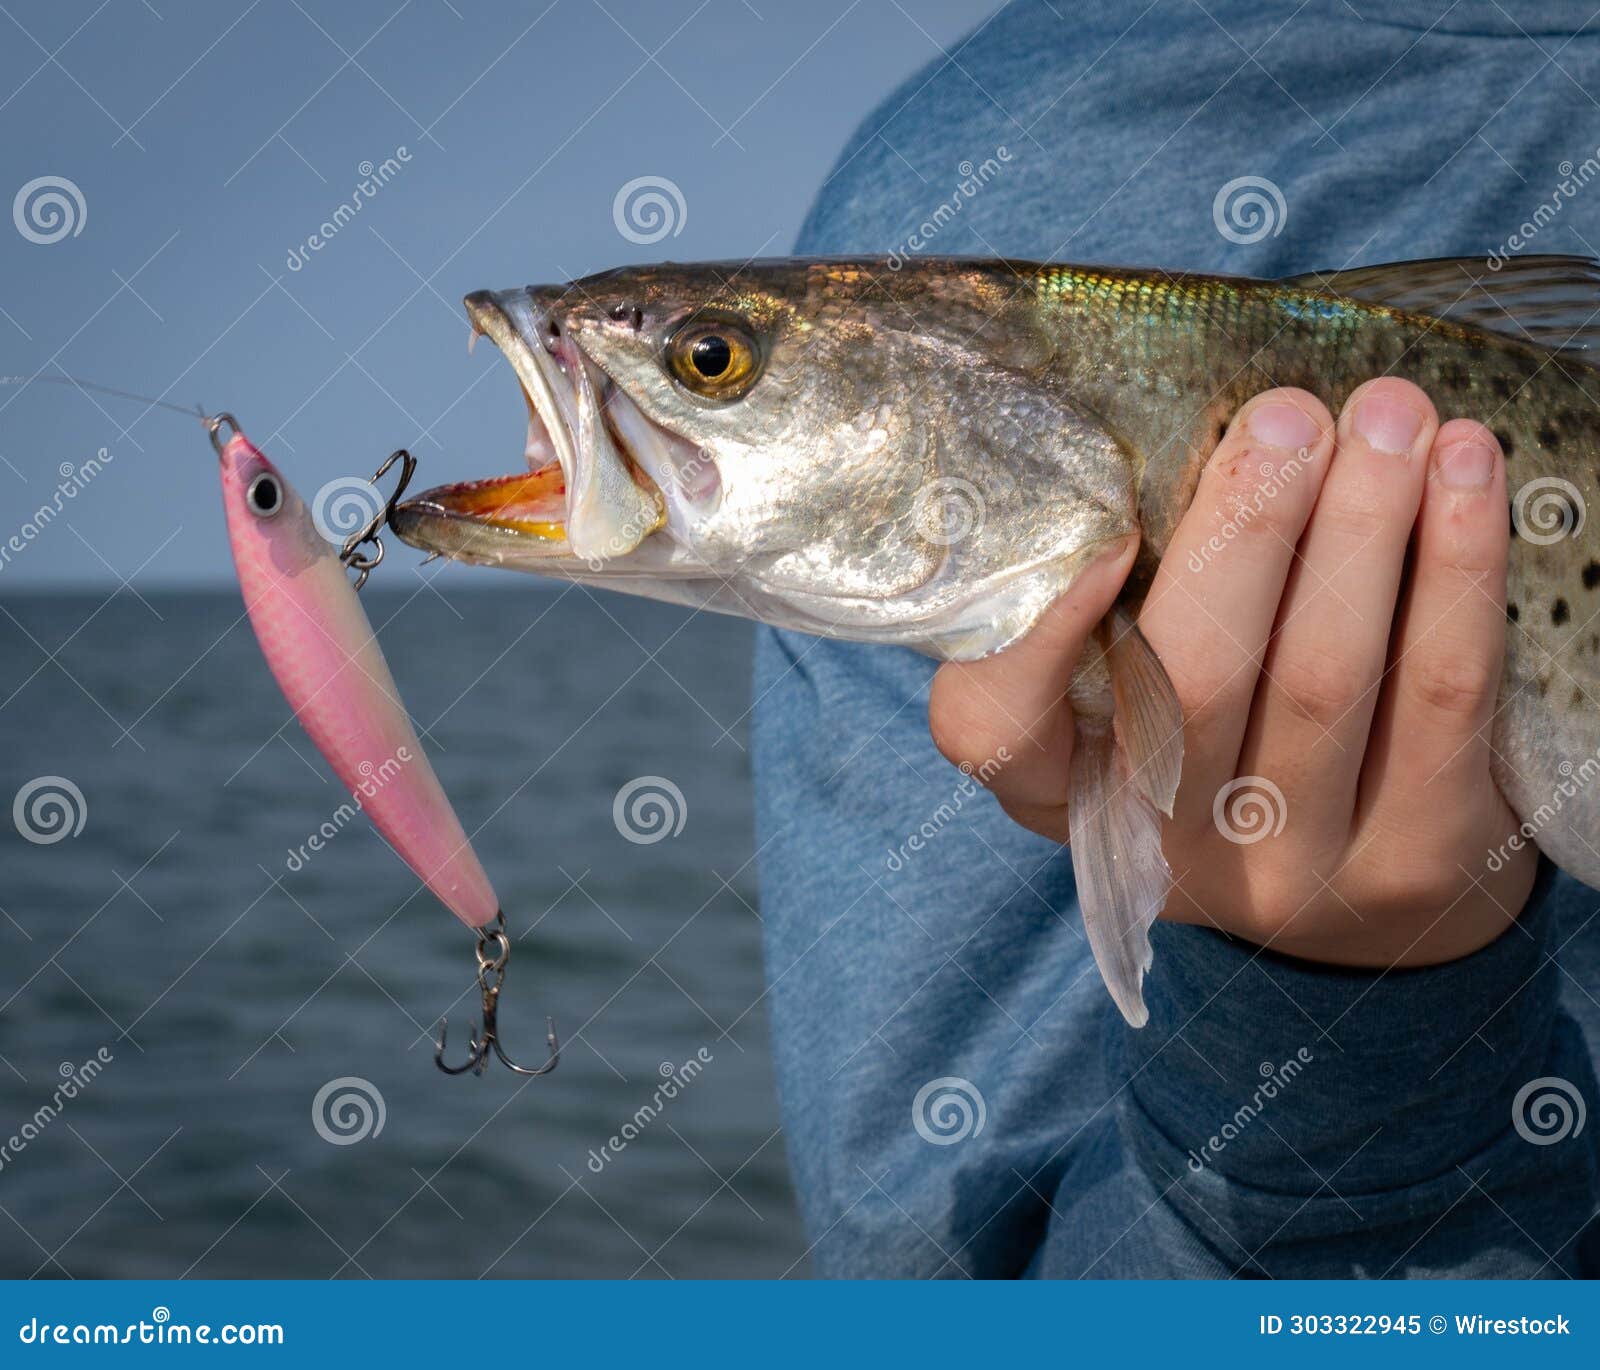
(714, 358)
(265, 495)
(711, 355)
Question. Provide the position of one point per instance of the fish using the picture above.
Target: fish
(927, 452)
(320, 648)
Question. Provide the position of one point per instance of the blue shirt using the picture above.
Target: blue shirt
(960, 1097)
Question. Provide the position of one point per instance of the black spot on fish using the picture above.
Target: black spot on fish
(1513, 613)
(1577, 699)
(1504, 439)
(1504, 386)
(1559, 612)
(1455, 376)
(1544, 686)
(1594, 643)
(1548, 435)
(1591, 575)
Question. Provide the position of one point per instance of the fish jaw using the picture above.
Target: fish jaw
(521, 516)
(607, 506)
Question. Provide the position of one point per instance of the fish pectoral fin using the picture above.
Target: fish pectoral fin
(1122, 876)
(1147, 716)
(1124, 776)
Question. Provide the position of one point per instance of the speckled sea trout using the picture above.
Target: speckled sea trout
(928, 454)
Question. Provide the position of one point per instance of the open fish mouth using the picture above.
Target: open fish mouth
(600, 479)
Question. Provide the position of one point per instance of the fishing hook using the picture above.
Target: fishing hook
(351, 555)
(491, 976)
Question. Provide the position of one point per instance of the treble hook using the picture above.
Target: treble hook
(491, 976)
(363, 562)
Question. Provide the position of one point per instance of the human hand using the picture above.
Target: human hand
(1331, 611)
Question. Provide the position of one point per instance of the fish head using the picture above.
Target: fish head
(267, 519)
(852, 448)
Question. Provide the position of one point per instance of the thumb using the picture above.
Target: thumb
(1012, 707)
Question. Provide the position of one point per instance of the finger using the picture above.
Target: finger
(1011, 708)
(1429, 756)
(1308, 730)
(1212, 604)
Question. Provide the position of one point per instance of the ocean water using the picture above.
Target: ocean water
(216, 993)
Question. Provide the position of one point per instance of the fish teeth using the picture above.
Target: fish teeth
(535, 446)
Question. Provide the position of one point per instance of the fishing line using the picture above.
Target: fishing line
(196, 413)
(351, 554)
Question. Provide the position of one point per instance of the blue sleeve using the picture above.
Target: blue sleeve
(1288, 1120)
(959, 1098)
(936, 1013)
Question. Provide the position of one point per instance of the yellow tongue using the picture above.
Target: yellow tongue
(529, 502)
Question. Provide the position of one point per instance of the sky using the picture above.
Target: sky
(169, 167)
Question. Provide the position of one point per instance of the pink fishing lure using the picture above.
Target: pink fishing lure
(326, 660)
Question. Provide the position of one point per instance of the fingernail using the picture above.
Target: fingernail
(1284, 425)
(1387, 423)
(1114, 551)
(1467, 465)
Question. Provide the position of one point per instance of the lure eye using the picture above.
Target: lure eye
(713, 358)
(265, 495)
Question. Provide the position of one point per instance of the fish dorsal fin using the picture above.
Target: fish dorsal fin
(1549, 301)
